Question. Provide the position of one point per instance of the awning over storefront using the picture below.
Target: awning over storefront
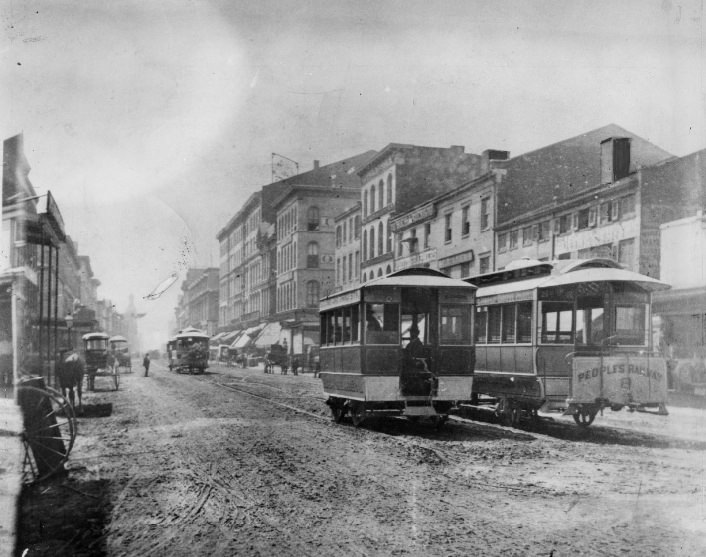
(246, 337)
(228, 337)
(269, 335)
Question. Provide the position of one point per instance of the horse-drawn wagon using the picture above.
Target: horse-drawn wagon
(277, 356)
(99, 360)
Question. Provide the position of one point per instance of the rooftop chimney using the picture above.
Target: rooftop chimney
(615, 159)
(491, 155)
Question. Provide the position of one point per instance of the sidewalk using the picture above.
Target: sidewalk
(10, 473)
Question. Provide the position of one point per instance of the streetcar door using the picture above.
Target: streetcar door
(417, 334)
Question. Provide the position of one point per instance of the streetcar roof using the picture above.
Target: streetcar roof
(117, 338)
(417, 276)
(95, 336)
(192, 332)
(604, 275)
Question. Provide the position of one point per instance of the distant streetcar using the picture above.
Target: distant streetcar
(570, 334)
(400, 345)
(191, 350)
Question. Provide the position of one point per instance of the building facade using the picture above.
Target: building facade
(454, 231)
(578, 198)
(395, 180)
(306, 244)
(348, 248)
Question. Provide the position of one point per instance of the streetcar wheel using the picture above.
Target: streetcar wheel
(358, 414)
(338, 413)
(439, 420)
(585, 418)
(49, 434)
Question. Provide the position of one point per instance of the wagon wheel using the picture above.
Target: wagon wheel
(585, 418)
(338, 413)
(116, 377)
(358, 413)
(49, 432)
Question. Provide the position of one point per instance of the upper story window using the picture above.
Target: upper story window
(356, 227)
(389, 189)
(312, 255)
(465, 221)
(427, 234)
(448, 233)
(365, 203)
(338, 236)
(502, 241)
(372, 243)
(528, 233)
(312, 293)
(381, 238)
(484, 213)
(381, 194)
(372, 199)
(388, 243)
(312, 218)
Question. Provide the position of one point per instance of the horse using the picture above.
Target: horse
(70, 375)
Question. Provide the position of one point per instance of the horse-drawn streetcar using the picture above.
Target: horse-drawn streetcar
(190, 349)
(398, 345)
(568, 334)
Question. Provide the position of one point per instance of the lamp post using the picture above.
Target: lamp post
(69, 324)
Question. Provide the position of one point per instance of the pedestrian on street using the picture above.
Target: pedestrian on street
(146, 363)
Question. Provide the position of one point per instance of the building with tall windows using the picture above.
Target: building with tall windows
(307, 214)
(579, 198)
(454, 231)
(348, 248)
(398, 178)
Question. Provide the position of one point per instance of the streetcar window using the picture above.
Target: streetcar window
(524, 322)
(455, 325)
(557, 322)
(355, 323)
(481, 325)
(407, 320)
(323, 336)
(97, 344)
(589, 320)
(508, 323)
(494, 320)
(631, 324)
(382, 323)
(337, 329)
(346, 325)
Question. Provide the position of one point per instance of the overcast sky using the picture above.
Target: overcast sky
(151, 122)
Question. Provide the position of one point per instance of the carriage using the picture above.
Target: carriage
(277, 356)
(100, 362)
(368, 367)
(191, 351)
(572, 335)
(121, 351)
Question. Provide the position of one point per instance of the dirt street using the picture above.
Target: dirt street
(236, 462)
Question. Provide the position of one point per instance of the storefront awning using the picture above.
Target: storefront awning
(247, 337)
(269, 335)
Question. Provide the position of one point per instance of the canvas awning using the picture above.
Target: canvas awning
(247, 337)
(269, 335)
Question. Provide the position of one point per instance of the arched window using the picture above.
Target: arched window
(381, 238)
(388, 270)
(338, 236)
(312, 255)
(372, 199)
(365, 203)
(365, 245)
(372, 243)
(357, 227)
(389, 189)
(380, 272)
(312, 218)
(312, 293)
(365, 277)
(381, 194)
